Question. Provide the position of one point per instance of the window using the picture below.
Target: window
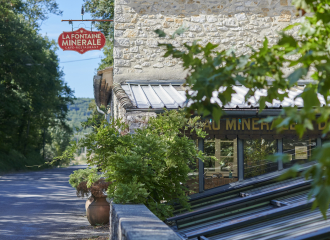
(255, 154)
(193, 181)
(193, 177)
(299, 150)
(221, 166)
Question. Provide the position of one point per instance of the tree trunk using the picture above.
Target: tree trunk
(43, 145)
(27, 133)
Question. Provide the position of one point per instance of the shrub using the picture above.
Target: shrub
(150, 166)
(88, 182)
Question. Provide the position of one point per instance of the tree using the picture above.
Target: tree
(95, 119)
(33, 93)
(103, 9)
(108, 53)
(33, 11)
(212, 70)
(79, 112)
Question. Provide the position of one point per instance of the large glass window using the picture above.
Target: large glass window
(255, 154)
(299, 150)
(222, 168)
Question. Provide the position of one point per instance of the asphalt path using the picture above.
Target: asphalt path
(43, 205)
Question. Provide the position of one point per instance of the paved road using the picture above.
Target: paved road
(42, 205)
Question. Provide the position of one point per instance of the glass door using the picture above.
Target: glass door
(221, 166)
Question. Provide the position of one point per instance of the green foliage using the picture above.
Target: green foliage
(66, 156)
(79, 111)
(15, 160)
(33, 95)
(255, 154)
(88, 182)
(34, 12)
(37, 10)
(103, 9)
(60, 140)
(83, 175)
(150, 166)
(108, 53)
(84, 118)
(132, 192)
(209, 70)
(95, 119)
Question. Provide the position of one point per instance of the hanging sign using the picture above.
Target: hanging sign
(81, 41)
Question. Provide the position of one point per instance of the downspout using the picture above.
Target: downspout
(106, 116)
(100, 111)
(96, 86)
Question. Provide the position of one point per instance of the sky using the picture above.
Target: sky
(78, 72)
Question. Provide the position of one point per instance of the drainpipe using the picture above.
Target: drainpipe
(106, 116)
(100, 111)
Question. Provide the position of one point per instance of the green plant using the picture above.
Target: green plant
(82, 175)
(150, 166)
(88, 181)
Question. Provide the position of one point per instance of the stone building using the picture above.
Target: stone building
(229, 23)
(143, 82)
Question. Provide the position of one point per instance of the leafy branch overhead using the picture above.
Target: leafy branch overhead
(211, 71)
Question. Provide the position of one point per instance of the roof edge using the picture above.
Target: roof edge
(173, 82)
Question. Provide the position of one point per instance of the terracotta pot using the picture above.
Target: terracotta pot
(98, 211)
(88, 202)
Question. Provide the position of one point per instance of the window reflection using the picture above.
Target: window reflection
(255, 154)
(299, 150)
(209, 150)
(193, 182)
(222, 168)
(220, 165)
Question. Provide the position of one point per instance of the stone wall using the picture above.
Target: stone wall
(229, 23)
(138, 119)
(136, 222)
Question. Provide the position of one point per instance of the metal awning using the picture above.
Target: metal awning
(156, 96)
(172, 96)
(265, 210)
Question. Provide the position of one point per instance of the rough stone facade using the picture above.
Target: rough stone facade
(135, 119)
(229, 23)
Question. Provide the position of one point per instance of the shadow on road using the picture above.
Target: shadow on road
(42, 205)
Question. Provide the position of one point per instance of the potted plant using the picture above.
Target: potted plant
(89, 183)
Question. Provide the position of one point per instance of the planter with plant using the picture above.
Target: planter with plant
(151, 166)
(89, 183)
